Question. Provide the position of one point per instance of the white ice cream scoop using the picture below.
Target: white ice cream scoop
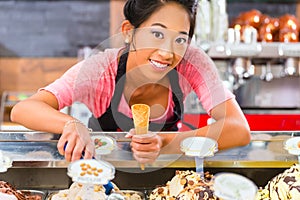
(5, 162)
(231, 186)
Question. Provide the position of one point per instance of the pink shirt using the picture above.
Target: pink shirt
(92, 82)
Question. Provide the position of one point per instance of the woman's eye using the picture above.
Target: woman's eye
(158, 35)
(181, 40)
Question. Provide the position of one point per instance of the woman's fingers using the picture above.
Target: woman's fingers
(75, 142)
(72, 149)
(130, 133)
(89, 151)
(69, 148)
(145, 157)
(146, 149)
(141, 137)
(61, 144)
(80, 151)
(150, 143)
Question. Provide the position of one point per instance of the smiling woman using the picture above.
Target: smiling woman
(156, 66)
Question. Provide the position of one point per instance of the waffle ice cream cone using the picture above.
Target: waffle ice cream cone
(140, 114)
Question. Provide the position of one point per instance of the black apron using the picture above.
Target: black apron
(112, 120)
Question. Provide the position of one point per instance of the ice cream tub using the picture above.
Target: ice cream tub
(50, 194)
(80, 192)
(34, 194)
(126, 194)
(23, 194)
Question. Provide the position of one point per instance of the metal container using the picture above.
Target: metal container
(40, 195)
(126, 193)
(50, 195)
(130, 193)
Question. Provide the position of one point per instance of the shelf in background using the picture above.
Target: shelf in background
(264, 1)
(257, 50)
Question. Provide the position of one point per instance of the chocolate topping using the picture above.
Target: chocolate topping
(9, 189)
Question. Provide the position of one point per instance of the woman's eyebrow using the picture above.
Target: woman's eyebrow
(163, 26)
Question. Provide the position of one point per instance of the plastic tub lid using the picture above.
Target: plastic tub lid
(199, 146)
(104, 144)
(91, 171)
(292, 145)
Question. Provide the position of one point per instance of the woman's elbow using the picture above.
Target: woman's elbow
(15, 112)
(245, 134)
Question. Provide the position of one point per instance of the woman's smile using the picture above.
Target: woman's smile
(159, 65)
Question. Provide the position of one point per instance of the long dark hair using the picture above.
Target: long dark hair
(138, 11)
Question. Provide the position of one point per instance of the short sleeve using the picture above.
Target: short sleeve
(91, 82)
(199, 74)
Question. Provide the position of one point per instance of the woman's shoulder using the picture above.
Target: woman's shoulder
(195, 53)
(107, 56)
(197, 67)
(111, 52)
(99, 62)
(195, 59)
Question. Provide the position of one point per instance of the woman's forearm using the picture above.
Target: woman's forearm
(37, 115)
(227, 132)
(230, 129)
(227, 135)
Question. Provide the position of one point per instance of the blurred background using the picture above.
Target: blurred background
(254, 43)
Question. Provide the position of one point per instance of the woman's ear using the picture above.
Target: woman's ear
(127, 30)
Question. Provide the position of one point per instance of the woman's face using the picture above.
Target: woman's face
(160, 42)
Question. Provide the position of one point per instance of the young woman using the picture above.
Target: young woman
(157, 66)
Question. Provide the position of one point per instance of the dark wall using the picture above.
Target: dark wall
(51, 28)
(57, 28)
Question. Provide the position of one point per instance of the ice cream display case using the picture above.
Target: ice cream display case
(37, 165)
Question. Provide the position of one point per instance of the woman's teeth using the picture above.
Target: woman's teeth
(159, 65)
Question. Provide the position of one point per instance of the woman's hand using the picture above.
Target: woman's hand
(145, 147)
(75, 141)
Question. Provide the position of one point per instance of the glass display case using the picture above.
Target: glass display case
(38, 165)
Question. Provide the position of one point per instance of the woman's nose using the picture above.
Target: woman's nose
(166, 53)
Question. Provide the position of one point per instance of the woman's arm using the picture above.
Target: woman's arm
(230, 129)
(40, 112)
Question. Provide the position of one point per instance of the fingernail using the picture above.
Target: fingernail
(128, 135)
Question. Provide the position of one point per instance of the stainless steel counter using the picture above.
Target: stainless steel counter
(37, 163)
(29, 148)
